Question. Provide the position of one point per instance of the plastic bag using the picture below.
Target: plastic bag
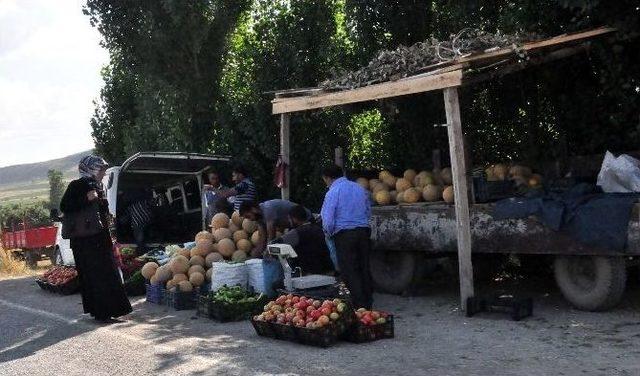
(272, 273)
(228, 274)
(619, 175)
(256, 276)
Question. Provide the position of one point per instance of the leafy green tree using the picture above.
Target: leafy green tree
(35, 214)
(56, 188)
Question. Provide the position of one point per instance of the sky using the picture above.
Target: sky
(50, 61)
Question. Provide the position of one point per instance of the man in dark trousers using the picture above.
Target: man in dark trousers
(345, 217)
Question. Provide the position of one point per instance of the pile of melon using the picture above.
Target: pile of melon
(411, 187)
(230, 239)
(522, 176)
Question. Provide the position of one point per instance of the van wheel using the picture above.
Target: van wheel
(591, 283)
(392, 271)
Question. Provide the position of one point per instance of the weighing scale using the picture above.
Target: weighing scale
(284, 252)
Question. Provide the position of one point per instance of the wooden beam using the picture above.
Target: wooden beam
(285, 153)
(398, 88)
(458, 169)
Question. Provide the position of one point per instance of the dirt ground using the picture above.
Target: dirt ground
(44, 334)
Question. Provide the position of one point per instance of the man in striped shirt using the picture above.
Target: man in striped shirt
(243, 191)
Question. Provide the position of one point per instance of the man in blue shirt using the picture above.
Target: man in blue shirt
(345, 218)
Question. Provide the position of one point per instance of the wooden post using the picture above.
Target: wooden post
(284, 152)
(463, 225)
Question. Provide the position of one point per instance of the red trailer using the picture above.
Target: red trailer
(31, 243)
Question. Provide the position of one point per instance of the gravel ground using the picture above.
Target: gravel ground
(44, 334)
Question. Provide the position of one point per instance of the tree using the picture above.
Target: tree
(56, 188)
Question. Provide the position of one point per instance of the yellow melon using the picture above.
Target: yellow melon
(249, 226)
(219, 220)
(233, 227)
(179, 264)
(222, 233)
(411, 195)
(171, 284)
(379, 187)
(209, 274)
(213, 257)
(204, 235)
(244, 245)
(432, 193)
(394, 195)
(239, 256)
(236, 219)
(226, 247)
(149, 269)
(500, 171)
(382, 197)
(185, 286)
(180, 277)
(490, 173)
(153, 280)
(163, 273)
(256, 238)
(400, 197)
(195, 269)
(374, 182)
(447, 194)
(390, 181)
(421, 179)
(364, 183)
(184, 252)
(403, 184)
(384, 174)
(518, 170)
(446, 176)
(203, 248)
(197, 278)
(410, 174)
(197, 261)
(240, 234)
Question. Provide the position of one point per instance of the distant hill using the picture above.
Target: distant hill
(37, 172)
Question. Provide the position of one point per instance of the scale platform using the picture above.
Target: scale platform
(312, 281)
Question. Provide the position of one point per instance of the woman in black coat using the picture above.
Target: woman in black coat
(103, 295)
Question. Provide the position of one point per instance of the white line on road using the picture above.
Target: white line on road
(39, 312)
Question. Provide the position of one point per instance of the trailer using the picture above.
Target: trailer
(591, 279)
(31, 244)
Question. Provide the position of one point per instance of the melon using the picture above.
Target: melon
(394, 196)
(204, 235)
(184, 252)
(213, 257)
(256, 238)
(209, 274)
(163, 273)
(379, 187)
(517, 170)
(422, 179)
(226, 247)
(490, 173)
(154, 280)
(374, 182)
(384, 174)
(447, 194)
(219, 220)
(197, 278)
(180, 277)
(249, 226)
(411, 195)
(239, 256)
(244, 245)
(202, 249)
(535, 180)
(185, 286)
(179, 264)
(446, 176)
(390, 181)
(149, 269)
(240, 234)
(403, 184)
(364, 183)
(171, 284)
(432, 193)
(222, 233)
(196, 269)
(410, 174)
(233, 227)
(196, 261)
(500, 171)
(400, 197)
(382, 197)
(236, 219)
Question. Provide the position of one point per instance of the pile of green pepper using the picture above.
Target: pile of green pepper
(233, 295)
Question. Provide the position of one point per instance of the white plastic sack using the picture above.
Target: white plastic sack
(228, 274)
(619, 175)
(256, 276)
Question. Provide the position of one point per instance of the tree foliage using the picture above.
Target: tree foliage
(34, 214)
(56, 188)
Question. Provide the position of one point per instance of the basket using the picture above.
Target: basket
(263, 328)
(43, 284)
(181, 300)
(155, 293)
(203, 306)
(69, 288)
(225, 312)
(285, 332)
(487, 191)
(320, 337)
(360, 333)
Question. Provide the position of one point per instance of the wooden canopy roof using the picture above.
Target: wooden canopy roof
(462, 71)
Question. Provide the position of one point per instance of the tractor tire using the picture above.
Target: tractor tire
(392, 271)
(591, 283)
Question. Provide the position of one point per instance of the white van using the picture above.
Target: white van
(173, 179)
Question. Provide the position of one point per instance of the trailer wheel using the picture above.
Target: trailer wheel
(392, 271)
(591, 283)
(31, 258)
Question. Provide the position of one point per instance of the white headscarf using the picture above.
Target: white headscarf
(90, 165)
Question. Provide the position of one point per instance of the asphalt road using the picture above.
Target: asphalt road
(45, 334)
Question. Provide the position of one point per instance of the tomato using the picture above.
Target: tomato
(326, 311)
(315, 314)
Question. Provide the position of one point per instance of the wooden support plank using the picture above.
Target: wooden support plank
(285, 120)
(458, 169)
(405, 86)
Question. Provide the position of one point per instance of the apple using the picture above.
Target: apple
(310, 309)
(375, 315)
(381, 320)
(315, 314)
(341, 307)
(324, 320)
(326, 311)
(334, 316)
(317, 303)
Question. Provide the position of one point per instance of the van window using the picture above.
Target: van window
(192, 191)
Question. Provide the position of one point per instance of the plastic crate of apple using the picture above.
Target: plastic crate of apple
(304, 312)
(59, 275)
